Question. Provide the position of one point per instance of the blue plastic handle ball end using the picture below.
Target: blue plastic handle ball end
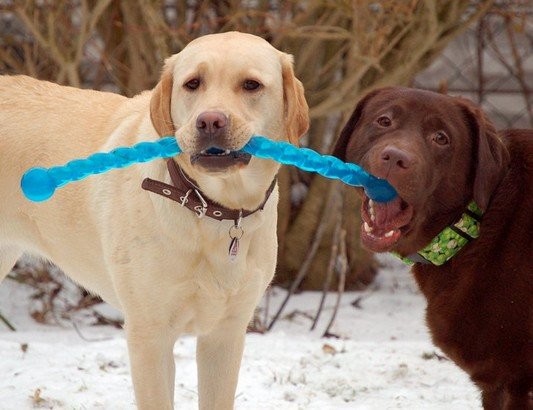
(37, 184)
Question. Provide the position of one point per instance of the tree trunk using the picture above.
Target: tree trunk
(347, 52)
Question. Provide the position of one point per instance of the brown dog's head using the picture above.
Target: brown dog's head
(437, 151)
(219, 91)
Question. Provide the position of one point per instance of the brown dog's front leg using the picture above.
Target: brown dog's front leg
(152, 366)
(218, 356)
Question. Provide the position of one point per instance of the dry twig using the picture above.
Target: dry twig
(343, 268)
(308, 260)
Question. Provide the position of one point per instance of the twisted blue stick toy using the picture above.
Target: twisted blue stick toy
(39, 184)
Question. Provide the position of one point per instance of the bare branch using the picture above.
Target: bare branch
(342, 280)
(331, 267)
(308, 260)
(7, 323)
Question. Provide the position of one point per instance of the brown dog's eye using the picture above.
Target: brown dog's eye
(441, 138)
(384, 121)
(192, 84)
(251, 85)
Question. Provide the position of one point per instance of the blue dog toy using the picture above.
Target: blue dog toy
(39, 184)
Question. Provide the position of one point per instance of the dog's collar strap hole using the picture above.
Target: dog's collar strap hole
(450, 240)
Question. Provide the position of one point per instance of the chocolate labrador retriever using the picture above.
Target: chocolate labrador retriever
(463, 217)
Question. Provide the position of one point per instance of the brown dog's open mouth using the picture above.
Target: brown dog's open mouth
(217, 159)
(383, 223)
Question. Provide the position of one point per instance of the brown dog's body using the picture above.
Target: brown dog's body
(440, 153)
(480, 302)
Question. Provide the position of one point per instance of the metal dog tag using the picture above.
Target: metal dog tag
(235, 233)
(233, 249)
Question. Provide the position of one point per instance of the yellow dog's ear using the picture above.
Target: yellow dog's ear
(160, 103)
(296, 109)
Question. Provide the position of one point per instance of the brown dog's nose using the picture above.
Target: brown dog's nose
(394, 158)
(211, 124)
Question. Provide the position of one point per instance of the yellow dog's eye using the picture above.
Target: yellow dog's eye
(192, 84)
(251, 85)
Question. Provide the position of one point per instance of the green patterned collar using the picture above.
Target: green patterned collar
(451, 240)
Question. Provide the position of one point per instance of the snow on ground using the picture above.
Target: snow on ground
(383, 358)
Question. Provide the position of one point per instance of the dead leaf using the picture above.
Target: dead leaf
(36, 398)
(328, 349)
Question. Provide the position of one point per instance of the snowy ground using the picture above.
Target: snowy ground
(382, 360)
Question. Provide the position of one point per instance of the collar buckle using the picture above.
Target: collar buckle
(200, 209)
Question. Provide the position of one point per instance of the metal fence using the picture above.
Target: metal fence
(492, 64)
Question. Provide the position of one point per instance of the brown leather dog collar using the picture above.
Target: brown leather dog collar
(186, 192)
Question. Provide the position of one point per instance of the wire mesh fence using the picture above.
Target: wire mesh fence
(492, 64)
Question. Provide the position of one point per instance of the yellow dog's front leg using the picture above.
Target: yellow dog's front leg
(152, 365)
(218, 356)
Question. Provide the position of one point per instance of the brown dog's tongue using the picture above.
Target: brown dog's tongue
(386, 212)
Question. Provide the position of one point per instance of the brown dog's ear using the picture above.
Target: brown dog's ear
(491, 155)
(339, 149)
(296, 109)
(160, 104)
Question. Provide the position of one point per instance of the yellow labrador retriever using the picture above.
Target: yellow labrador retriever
(194, 250)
